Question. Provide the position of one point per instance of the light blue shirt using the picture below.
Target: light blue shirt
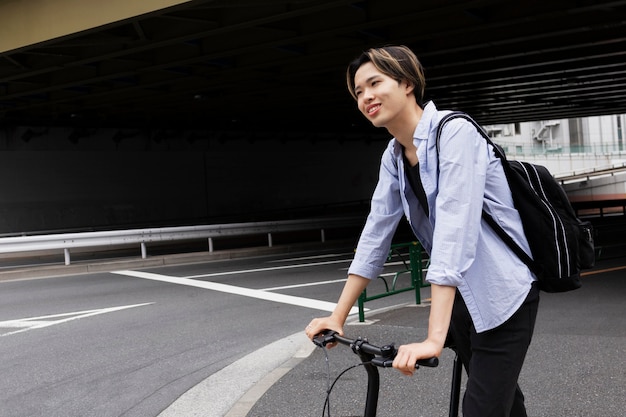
(465, 252)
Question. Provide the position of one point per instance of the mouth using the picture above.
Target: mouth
(372, 109)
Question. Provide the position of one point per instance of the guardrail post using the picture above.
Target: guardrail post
(323, 233)
(269, 240)
(361, 304)
(143, 250)
(211, 244)
(66, 252)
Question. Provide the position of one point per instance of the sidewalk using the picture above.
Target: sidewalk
(575, 365)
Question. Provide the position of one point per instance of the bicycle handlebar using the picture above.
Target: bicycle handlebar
(383, 356)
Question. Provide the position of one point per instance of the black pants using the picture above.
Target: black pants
(493, 359)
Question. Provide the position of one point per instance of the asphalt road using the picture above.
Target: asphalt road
(130, 343)
(574, 367)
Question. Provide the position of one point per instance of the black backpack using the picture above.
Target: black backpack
(561, 244)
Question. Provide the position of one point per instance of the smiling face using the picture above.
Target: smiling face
(382, 100)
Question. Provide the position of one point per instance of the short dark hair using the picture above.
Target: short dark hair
(397, 62)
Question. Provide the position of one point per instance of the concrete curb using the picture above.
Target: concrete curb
(247, 380)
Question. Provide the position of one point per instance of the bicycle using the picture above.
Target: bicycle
(372, 357)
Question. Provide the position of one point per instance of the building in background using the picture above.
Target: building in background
(587, 154)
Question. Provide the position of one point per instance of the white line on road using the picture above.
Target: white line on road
(308, 284)
(45, 321)
(231, 289)
(306, 258)
(273, 268)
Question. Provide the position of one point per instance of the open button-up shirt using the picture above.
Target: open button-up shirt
(459, 181)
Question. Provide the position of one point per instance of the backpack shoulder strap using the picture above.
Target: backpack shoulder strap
(506, 238)
(499, 152)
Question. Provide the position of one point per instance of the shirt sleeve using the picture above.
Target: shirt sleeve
(385, 213)
(463, 164)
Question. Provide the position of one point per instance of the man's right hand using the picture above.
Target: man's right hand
(318, 325)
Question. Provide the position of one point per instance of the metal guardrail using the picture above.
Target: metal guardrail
(532, 149)
(586, 175)
(414, 267)
(68, 241)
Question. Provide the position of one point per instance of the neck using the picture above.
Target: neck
(403, 128)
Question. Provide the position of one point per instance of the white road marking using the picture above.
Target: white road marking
(46, 321)
(308, 284)
(231, 289)
(305, 258)
(273, 268)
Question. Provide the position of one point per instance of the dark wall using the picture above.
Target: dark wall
(52, 183)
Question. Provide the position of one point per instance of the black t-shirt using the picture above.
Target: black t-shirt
(413, 176)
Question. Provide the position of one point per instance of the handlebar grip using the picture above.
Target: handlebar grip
(324, 338)
(430, 362)
(387, 363)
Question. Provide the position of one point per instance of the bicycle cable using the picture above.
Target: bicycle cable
(329, 386)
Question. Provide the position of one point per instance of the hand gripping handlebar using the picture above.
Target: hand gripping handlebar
(380, 356)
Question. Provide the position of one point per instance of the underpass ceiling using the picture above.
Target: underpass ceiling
(278, 65)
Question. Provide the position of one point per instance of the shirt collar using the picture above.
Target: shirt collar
(422, 131)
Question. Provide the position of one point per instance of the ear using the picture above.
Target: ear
(408, 87)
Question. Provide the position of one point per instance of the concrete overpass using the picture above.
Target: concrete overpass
(169, 112)
(279, 64)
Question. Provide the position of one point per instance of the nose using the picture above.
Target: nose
(368, 95)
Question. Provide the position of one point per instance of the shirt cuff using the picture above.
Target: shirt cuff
(443, 277)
